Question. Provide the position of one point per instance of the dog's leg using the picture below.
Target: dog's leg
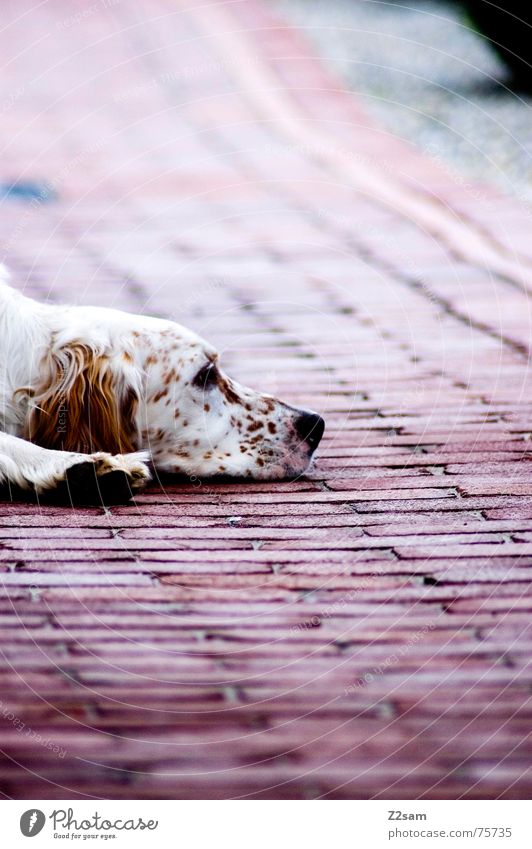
(80, 478)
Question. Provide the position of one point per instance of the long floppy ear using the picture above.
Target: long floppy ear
(86, 402)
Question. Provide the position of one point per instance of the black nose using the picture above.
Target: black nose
(310, 427)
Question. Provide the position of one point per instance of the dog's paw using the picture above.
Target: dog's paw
(99, 479)
(133, 466)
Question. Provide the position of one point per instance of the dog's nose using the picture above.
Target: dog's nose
(310, 427)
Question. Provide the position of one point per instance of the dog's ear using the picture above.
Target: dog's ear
(86, 402)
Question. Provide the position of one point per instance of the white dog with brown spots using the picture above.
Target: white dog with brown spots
(88, 396)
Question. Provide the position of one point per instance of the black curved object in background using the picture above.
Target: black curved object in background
(510, 31)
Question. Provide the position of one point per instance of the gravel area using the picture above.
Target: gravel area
(428, 77)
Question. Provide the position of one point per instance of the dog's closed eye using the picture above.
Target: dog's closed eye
(207, 377)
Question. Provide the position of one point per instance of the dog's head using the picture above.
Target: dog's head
(153, 384)
(196, 420)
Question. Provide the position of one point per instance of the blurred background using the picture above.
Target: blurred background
(454, 78)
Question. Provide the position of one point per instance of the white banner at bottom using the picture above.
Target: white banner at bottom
(263, 824)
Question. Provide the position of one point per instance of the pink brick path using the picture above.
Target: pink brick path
(362, 632)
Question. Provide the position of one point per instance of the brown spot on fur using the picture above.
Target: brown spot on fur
(169, 377)
(272, 427)
(226, 389)
(206, 407)
(255, 426)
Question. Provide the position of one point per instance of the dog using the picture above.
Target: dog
(93, 399)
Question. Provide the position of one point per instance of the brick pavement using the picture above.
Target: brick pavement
(363, 632)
